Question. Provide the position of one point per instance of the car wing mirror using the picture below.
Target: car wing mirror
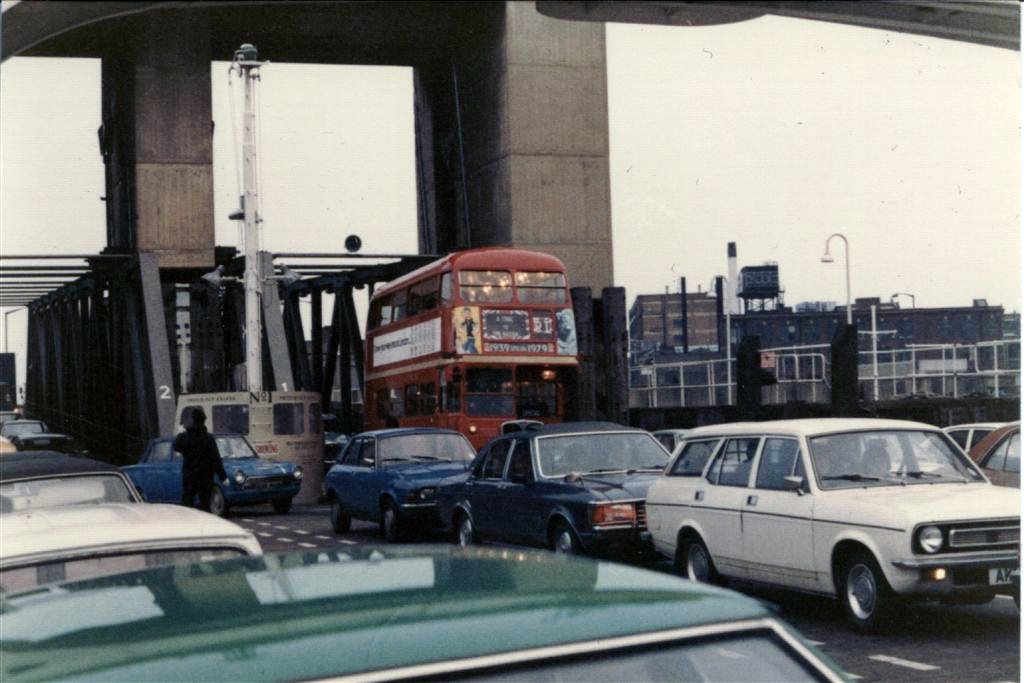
(794, 483)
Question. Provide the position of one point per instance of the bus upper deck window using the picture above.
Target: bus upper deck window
(384, 311)
(540, 288)
(446, 288)
(485, 286)
(422, 297)
(398, 306)
(231, 418)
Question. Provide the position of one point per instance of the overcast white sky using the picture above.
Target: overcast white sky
(772, 133)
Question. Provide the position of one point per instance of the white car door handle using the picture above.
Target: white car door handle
(699, 495)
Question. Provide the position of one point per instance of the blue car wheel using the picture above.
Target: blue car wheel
(341, 521)
(218, 505)
(389, 523)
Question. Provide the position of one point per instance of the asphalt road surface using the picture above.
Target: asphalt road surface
(927, 643)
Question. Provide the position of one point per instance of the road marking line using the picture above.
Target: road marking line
(904, 663)
(326, 538)
(729, 654)
(246, 519)
(307, 545)
(264, 534)
(853, 676)
(815, 643)
(285, 539)
(346, 541)
(282, 528)
(263, 523)
(300, 531)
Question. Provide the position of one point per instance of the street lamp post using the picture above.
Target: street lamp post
(828, 258)
(728, 346)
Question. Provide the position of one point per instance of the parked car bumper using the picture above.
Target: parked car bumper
(612, 540)
(964, 575)
(421, 514)
(257, 496)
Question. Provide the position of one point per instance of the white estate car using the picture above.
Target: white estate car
(866, 510)
(967, 436)
(47, 545)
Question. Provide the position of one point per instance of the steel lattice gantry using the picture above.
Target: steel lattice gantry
(97, 349)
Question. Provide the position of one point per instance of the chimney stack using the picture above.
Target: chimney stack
(732, 287)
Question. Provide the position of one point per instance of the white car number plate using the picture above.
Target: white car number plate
(1001, 576)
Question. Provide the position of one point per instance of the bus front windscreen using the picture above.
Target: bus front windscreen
(489, 392)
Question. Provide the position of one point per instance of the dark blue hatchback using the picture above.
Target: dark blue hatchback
(251, 479)
(390, 476)
(573, 487)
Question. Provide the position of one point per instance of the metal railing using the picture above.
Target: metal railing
(802, 373)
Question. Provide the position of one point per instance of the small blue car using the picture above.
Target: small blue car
(572, 487)
(251, 479)
(390, 476)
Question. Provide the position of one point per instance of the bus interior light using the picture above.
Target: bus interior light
(547, 374)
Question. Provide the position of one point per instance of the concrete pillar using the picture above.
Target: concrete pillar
(533, 100)
(163, 149)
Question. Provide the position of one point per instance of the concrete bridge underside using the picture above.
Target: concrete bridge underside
(510, 102)
(510, 111)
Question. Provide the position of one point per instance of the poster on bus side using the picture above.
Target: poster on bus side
(466, 323)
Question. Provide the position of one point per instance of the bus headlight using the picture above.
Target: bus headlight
(472, 429)
(930, 539)
(297, 473)
(239, 477)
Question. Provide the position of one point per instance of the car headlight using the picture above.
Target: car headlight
(930, 539)
(297, 473)
(240, 477)
(426, 494)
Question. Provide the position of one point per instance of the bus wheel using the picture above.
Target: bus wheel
(389, 524)
(341, 521)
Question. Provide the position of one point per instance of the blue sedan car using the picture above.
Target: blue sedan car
(251, 479)
(573, 487)
(390, 476)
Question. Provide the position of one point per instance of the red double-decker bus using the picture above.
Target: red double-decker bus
(472, 341)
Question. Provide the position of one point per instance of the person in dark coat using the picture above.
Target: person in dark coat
(200, 461)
